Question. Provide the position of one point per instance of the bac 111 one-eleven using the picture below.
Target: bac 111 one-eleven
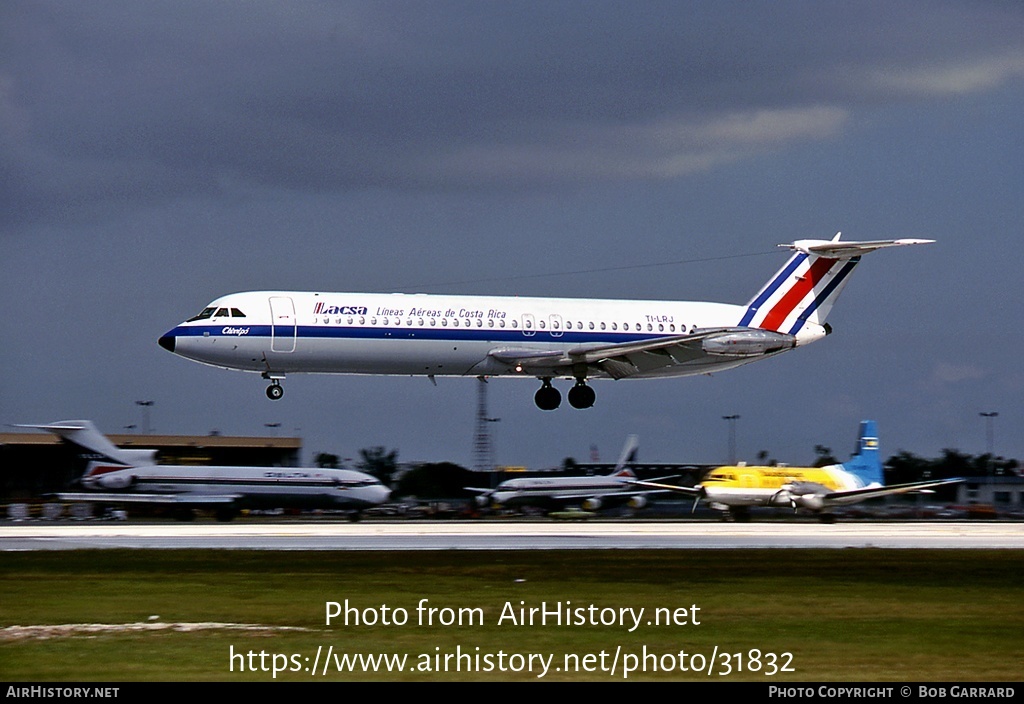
(275, 333)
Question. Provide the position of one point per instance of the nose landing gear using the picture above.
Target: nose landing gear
(275, 390)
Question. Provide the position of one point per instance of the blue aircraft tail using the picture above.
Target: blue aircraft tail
(866, 462)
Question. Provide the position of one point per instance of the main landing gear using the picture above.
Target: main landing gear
(548, 398)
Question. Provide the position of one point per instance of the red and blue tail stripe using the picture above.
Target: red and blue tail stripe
(806, 285)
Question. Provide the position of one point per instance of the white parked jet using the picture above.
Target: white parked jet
(115, 475)
(590, 493)
(281, 332)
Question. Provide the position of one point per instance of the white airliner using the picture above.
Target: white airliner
(281, 332)
(817, 490)
(115, 476)
(590, 493)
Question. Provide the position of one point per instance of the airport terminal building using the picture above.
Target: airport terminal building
(36, 463)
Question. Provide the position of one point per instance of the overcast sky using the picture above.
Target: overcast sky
(156, 155)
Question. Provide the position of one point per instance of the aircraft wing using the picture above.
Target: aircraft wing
(580, 495)
(850, 496)
(177, 499)
(688, 490)
(627, 359)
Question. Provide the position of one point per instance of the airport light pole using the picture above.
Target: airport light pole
(732, 436)
(988, 416)
(146, 405)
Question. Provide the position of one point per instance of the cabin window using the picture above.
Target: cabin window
(615, 326)
(444, 322)
(501, 323)
(362, 320)
(479, 323)
(541, 325)
(515, 323)
(373, 321)
(433, 322)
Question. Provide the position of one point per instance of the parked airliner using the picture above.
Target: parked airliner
(590, 493)
(275, 333)
(818, 490)
(120, 476)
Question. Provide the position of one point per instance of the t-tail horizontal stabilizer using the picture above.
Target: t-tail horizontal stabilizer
(84, 435)
(800, 296)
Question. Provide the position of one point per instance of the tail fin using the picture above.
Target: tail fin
(804, 290)
(94, 445)
(866, 462)
(628, 455)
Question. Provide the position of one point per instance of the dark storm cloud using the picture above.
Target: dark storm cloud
(112, 104)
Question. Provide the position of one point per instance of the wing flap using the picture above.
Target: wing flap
(625, 359)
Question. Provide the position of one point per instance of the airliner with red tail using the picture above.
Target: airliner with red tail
(275, 333)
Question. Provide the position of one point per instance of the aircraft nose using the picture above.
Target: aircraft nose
(167, 342)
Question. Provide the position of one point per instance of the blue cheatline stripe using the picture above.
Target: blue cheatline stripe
(824, 295)
(771, 288)
(253, 481)
(406, 333)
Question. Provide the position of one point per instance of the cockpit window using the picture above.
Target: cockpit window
(222, 313)
(207, 313)
(235, 313)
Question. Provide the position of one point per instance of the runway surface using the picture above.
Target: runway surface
(510, 535)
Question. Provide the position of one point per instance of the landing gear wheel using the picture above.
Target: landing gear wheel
(275, 391)
(547, 398)
(581, 395)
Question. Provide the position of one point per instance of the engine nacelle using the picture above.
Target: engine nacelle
(107, 476)
(637, 502)
(811, 502)
(117, 480)
(592, 504)
(748, 343)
